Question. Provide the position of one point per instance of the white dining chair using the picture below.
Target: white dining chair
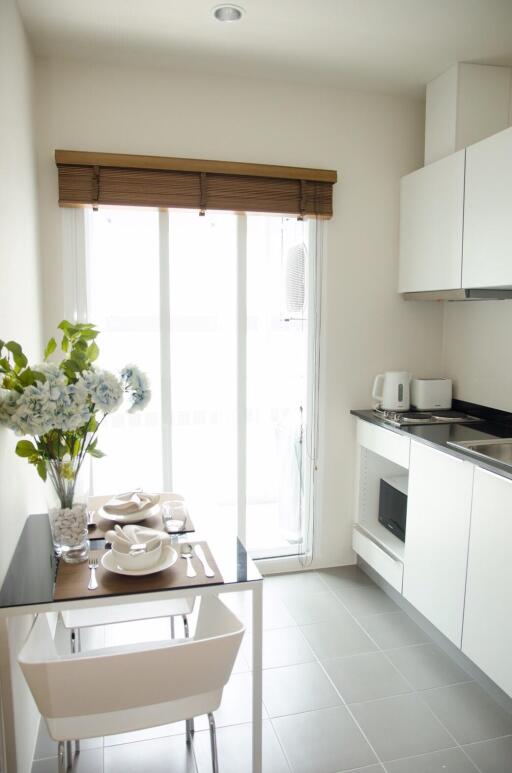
(132, 687)
(74, 620)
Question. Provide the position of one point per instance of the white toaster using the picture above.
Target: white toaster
(428, 394)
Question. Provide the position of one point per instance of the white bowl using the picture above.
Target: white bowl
(136, 561)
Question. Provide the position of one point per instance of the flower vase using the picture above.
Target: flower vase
(67, 510)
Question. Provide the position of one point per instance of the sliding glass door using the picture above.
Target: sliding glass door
(221, 311)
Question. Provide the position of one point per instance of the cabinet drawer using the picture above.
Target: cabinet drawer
(384, 442)
(389, 568)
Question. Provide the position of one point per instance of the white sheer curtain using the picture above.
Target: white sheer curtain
(123, 301)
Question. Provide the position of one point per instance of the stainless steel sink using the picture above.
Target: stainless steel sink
(498, 449)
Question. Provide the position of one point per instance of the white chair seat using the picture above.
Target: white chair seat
(126, 613)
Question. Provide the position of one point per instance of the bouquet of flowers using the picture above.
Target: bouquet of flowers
(63, 404)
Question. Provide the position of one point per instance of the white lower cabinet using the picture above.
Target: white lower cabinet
(437, 537)
(487, 635)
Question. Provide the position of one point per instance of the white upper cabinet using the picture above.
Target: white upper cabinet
(487, 260)
(431, 224)
(487, 636)
(437, 536)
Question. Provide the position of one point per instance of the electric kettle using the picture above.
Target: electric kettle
(392, 391)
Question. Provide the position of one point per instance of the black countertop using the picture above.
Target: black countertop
(438, 435)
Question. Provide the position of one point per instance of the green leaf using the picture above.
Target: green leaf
(65, 343)
(20, 360)
(25, 448)
(27, 377)
(88, 335)
(50, 348)
(41, 469)
(96, 453)
(68, 369)
(93, 352)
(17, 354)
(74, 365)
(4, 365)
(13, 347)
(38, 376)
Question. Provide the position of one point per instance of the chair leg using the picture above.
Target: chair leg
(76, 646)
(190, 722)
(69, 756)
(213, 743)
(61, 757)
(172, 628)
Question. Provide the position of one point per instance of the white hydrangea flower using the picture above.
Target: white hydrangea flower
(8, 405)
(136, 384)
(139, 400)
(72, 407)
(104, 388)
(35, 411)
(54, 375)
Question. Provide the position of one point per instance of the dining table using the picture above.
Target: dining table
(38, 582)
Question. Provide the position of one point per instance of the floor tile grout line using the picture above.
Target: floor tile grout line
(343, 702)
(414, 692)
(283, 750)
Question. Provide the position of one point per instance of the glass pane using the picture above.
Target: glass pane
(277, 337)
(123, 301)
(203, 271)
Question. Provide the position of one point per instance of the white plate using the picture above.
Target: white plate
(168, 558)
(137, 517)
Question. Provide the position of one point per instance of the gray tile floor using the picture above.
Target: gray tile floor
(350, 684)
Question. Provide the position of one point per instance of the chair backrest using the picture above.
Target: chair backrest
(135, 675)
(98, 500)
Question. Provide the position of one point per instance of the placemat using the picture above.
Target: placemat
(102, 525)
(72, 579)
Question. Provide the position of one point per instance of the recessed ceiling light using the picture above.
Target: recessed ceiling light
(228, 12)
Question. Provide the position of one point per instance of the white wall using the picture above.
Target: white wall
(371, 140)
(19, 313)
(478, 351)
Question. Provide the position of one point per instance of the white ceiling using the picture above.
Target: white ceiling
(383, 45)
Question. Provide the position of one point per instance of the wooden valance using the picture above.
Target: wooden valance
(94, 179)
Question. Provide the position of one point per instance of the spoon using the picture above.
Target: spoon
(186, 553)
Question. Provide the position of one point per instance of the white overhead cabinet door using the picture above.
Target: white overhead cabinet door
(487, 636)
(431, 221)
(487, 260)
(437, 536)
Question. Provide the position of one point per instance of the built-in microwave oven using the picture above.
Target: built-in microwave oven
(393, 504)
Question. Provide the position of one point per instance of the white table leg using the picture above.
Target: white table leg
(257, 692)
(7, 709)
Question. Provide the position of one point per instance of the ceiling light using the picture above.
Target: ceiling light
(228, 12)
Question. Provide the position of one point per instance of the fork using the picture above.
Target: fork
(93, 565)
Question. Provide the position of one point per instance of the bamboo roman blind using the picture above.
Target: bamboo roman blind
(93, 179)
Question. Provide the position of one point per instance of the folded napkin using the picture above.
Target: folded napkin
(131, 502)
(123, 538)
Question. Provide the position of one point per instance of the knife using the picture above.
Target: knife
(201, 556)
